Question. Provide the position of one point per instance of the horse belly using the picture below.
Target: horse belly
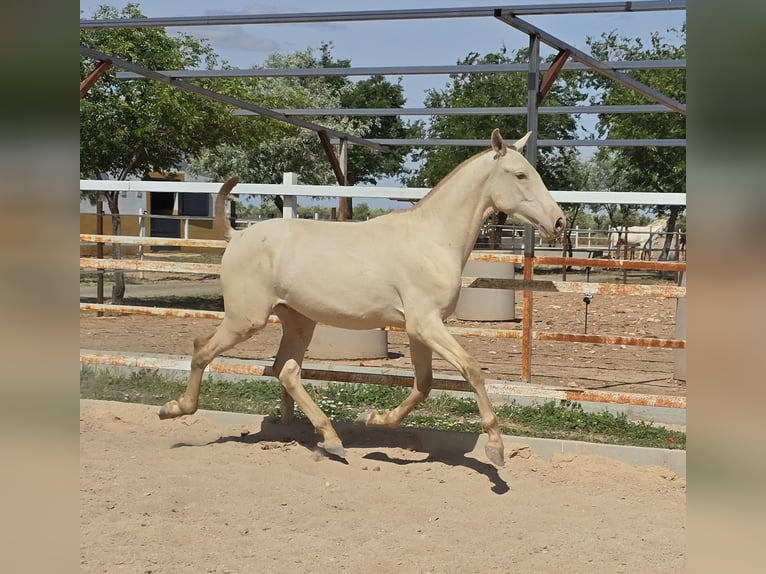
(348, 302)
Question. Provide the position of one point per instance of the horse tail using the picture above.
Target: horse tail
(221, 223)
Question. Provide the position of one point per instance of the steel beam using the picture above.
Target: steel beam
(373, 15)
(496, 111)
(541, 143)
(401, 70)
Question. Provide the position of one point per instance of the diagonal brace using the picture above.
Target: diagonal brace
(506, 15)
(550, 75)
(330, 153)
(93, 77)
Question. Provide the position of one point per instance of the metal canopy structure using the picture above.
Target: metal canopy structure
(541, 75)
(544, 73)
(506, 14)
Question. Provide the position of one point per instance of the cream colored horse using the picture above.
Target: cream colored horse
(401, 269)
(643, 236)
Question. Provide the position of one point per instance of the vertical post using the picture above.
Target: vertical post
(679, 355)
(625, 252)
(141, 233)
(289, 211)
(345, 206)
(186, 228)
(289, 202)
(100, 254)
(529, 232)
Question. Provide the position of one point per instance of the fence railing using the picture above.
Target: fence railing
(526, 285)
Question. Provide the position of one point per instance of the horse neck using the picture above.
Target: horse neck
(454, 211)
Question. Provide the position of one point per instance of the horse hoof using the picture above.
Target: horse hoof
(170, 410)
(166, 412)
(495, 455)
(334, 448)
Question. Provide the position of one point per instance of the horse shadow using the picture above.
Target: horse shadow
(445, 447)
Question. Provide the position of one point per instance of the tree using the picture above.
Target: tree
(263, 156)
(559, 167)
(132, 128)
(655, 169)
(603, 174)
(496, 90)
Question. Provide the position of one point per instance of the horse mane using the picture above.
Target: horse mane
(446, 178)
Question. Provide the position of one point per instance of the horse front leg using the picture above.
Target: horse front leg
(434, 333)
(421, 360)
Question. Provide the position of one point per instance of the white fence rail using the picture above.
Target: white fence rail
(370, 192)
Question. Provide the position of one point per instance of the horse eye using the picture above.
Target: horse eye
(521, 175)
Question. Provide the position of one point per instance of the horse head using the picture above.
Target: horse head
(516, 188)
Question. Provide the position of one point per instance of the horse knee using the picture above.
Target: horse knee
(290, 374)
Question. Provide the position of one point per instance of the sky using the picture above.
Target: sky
(391, 43)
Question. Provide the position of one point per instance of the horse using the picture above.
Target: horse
(641, 236)
(402, 269)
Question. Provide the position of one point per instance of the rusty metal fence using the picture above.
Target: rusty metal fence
(386, 376)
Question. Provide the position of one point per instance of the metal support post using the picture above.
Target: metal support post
(529, 232)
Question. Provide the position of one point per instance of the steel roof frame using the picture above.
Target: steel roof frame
(508, 15)
(402, 70)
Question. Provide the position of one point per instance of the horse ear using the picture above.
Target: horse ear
(520, 144)
(497, 142)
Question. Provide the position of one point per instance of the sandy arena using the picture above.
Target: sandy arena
(198, 495)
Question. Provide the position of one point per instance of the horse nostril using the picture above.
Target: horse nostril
(559, 226)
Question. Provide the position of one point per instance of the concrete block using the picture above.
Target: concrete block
(335, 343)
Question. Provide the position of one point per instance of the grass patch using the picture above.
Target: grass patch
(344, 402)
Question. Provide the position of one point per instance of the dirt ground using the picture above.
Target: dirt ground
(608, 367)
(203, 495)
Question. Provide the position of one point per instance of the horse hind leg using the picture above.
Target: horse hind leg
(230, 332)
(421, 360)
(297, 331)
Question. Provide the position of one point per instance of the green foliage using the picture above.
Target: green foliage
(366, 165)
(265, 155)
(130, 128)
(653, 169)
(559, 167)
